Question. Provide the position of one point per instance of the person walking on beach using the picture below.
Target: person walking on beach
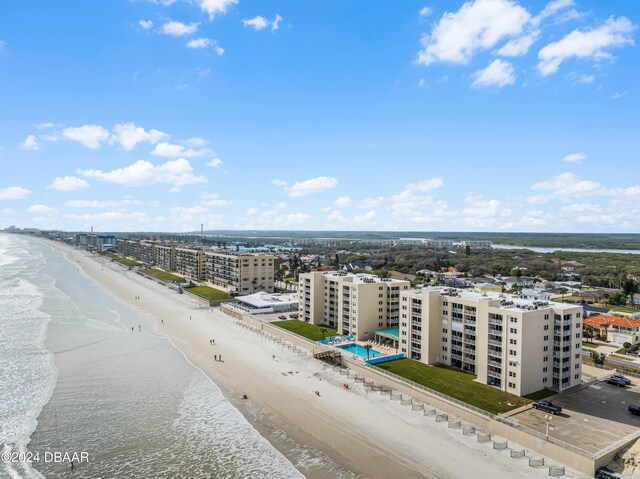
(139, 328)
(220, 357)
(131, 329)
(215, 357)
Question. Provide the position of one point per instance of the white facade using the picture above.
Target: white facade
(354, 304)
(520, 346)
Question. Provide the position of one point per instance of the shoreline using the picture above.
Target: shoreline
(356, 433)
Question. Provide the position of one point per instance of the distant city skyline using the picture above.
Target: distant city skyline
(160, 115)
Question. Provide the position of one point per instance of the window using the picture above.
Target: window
(512, 385)
(513, 341)
(546, 316)
(445, 330)
(513, 319)
(513, 330)
(545, 359)
(578, 356)
(577, 376)
(546, 327)
(513, 352)
(577, 316)
(544, 380)
(577, 366)
(577, 335)
(512, 363)
(444, 348)
(546, 338)
(512, 374)
(545, 369)
(546, 348)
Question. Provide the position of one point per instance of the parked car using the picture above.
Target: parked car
(547, 406)
(634, 409)
(619, 376)
(294, 315)
(282, 316)
(615, 382)
(604, 473)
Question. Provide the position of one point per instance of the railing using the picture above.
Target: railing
(494, 353)
(495, 332)
(497, 364)
(494, 374)
(495, 342)
(499, 418)
(497, 322)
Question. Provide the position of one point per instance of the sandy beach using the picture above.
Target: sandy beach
(364, 433)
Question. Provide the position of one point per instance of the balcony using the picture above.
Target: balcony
(494, 374)
(470, 342)
(495, 332)
(469, 331)
(495, 353)
(468, 359)
(495, 342)
(469, 350)
(494, 363)
(470, 322)
(495, 321)
(456, 356)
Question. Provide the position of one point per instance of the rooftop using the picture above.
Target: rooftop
(601, 319)
(265, 300)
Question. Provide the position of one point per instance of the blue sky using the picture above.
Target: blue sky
(485, 115)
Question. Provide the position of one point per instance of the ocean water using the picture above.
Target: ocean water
(74, 378)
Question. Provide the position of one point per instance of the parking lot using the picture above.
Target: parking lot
(591, 418)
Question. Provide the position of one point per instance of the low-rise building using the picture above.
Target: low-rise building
(520, 346)
(354, 304)
(619, 330)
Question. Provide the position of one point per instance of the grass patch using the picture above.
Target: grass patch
(308, 330)
(128, 262)
(163, 275)
(619, 309)
(542, 394)
(209, 293)
(457, 384)
(589, 345)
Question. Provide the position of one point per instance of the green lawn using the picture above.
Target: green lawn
(459, 385)
(163, 275)
(589, 345)
(209, 293)
(619, 309)
(128, 262)
(309, 331)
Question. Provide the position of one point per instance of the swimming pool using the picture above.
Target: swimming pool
(359, 350)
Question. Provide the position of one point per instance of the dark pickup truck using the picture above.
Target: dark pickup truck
(547, 406)
(634, 409)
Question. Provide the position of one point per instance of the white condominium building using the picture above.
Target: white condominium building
(165, 257)
(357, 304)
(243, 273)
(520, 346)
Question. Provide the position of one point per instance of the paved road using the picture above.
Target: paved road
(616, 361)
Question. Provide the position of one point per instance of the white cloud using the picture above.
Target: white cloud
(519, 46)
(296, 219)
(206, 43)
(617, 95)
(193, 210)
(425, 11)
(575, 158)
(177, 173)
(251, 211)
(87, 204)
(426, 185)
(477, 25)
(551, 9)
(68, 183)
(275, 24)
(567, 185)
(257, 23)
(365, 218)
(30, 143)
(169, 150)
(589, 44)
(146, 24)
(342, 202)
(128, 135)
(217, 202)
(484, 213)
(90, 136)
(499, 74)
(215, 163)
(14, 193)
(216, 7)
(179, 29)
(195, 142)
(368, 203)
(421, 82)
(586, 79)
(280, 183)
(46, 125)
(312, 186)
(42, 210)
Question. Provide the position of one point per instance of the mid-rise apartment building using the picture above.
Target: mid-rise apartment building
(354, 304)
(243, 273)
(190, 263)
(147, 252)
(165, 257)
(520, 346)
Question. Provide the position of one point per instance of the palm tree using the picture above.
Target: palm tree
(323, 331)
(588, 331)
(368, 348)
(606, 326)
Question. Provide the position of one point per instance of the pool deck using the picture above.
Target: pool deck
(381, 350)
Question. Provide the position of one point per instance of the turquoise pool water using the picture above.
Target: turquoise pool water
(359, 350)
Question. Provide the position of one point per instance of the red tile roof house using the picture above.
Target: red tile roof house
(621, 330)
